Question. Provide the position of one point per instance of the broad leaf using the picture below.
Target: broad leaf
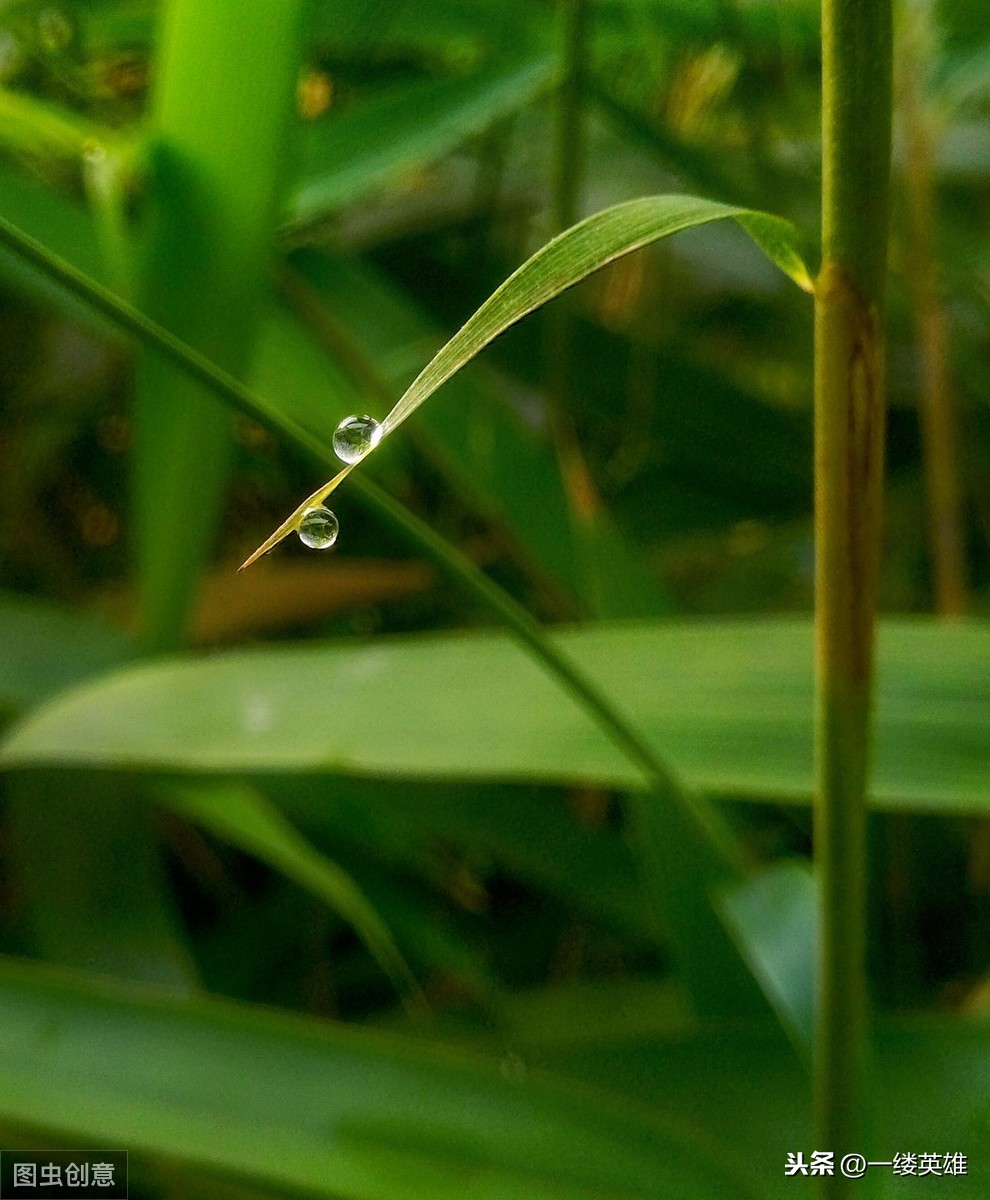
(93, 887)
(728, 704)
(44, 648)
(772, 917)
(928, 1081)
(314, 1106)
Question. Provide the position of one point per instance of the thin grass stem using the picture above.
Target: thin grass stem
(936, 397)
(583, 501)
(849, 437)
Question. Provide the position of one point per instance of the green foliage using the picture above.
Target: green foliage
(398, 904)
(729, 702)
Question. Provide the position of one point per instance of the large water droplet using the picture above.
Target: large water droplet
(318, 528)
(355, 436)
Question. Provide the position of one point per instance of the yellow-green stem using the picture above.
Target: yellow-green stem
(849, 436)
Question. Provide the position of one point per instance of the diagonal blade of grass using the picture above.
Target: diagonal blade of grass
(572, 256)
(576, 254)
(661, 781)
(322, 1110)
(525, 627)
(242, 816)
(359, 149)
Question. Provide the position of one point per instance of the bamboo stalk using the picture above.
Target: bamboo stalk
(849, 437)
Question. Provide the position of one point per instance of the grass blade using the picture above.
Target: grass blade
(729, 703)
(223, 106)
(559, 265)
(346, 156)
(331, 1111)
(241, 816)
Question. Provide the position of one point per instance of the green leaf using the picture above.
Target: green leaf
(243, 817)
(728, 702)
(531, 834)
(66, 230)
(577, 253)
(91, 880)
(44, 648)
(929, 1078)
(224, 103)
(32, 126)
(347, 155)
(443, 32)
(590, 1011)
(507, 469)
(641, 221)
(310, 1105)
(570, 257)
(772, 917)
(681, 871)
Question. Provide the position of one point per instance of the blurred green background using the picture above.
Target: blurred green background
(331, 785)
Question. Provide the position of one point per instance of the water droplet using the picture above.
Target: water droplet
(318, 528)
(355, 436)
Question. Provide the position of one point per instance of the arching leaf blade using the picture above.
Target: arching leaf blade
(580, 251)
(563, 262)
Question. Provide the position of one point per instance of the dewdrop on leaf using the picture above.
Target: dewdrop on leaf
(318, 528)
(355, 436)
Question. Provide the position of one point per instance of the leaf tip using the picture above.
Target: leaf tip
(804, 281)
(252, 558)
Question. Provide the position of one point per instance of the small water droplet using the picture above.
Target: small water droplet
(318, 528)
(355, 436)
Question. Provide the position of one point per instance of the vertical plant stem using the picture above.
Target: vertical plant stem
(568, 170)
(569, 145)
(936, 400)
(224, 97)
(224, 101)
(849, 434)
